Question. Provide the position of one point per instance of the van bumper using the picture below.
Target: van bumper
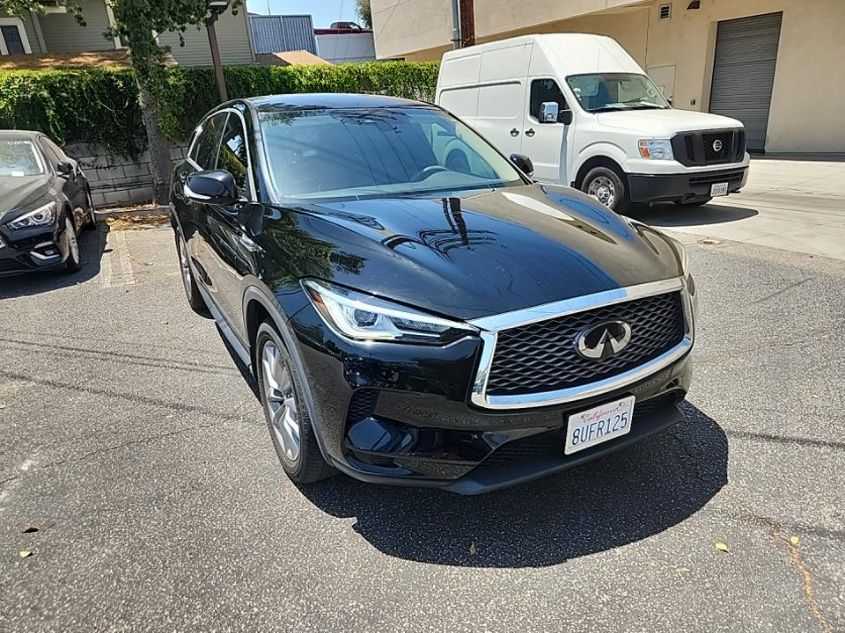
(687, 186)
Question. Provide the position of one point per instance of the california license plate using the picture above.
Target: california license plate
(719, 189)
(597, 425)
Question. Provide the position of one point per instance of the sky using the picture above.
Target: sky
(324, 11)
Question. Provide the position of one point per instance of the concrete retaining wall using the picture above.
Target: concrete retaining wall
(116, 180)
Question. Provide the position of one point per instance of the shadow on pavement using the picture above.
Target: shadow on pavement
(669, 215)
(92, 245)
(625, 497)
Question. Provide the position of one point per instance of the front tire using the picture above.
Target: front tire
(192, 291)
(608, 187)
(73, 262)
(284, 407)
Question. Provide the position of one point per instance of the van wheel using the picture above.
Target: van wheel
(693, 202)
(608, 187)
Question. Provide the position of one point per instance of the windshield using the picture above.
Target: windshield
(370, 152)
(606, 92)
(20, 158)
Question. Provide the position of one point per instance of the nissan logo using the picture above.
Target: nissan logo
(717, 145)
(604, 340)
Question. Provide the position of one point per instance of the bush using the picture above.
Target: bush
(101, 106)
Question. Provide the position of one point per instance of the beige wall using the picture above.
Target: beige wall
(809, 89)
(62, 33)
(233, 38)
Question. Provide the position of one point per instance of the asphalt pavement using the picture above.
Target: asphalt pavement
(132, 443)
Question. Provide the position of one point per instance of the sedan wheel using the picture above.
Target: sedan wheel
(281, 400)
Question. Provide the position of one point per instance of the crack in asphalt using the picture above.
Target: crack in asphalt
(778, 293)
(694, 466)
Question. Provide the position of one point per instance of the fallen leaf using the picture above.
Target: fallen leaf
(473, 550)
(30, 530)
(719, 545)
(24, 553)
(794, 540)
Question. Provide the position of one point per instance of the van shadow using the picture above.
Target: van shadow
(620, 499)
(669, 215)
(92, 245)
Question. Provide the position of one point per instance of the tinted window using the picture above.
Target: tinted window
(204, 153)
(377, 151)
(545, 91)
(50, 146)
(51, 154)
(233, 153)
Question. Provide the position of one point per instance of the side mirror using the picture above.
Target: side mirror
(64, 168)
(566, 117)
(212, 187)
(549, 111)
(523, 163)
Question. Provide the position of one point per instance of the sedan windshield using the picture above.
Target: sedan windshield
(371, 152)
(20, 158)
(606, 92)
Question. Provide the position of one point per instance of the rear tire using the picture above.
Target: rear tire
(287, 416)
(192, 291)
(608, 187)
(694, 202)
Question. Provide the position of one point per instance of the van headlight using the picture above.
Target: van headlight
(41, 216)
(656, 149)
(366, 318)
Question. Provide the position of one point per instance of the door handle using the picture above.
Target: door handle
(514, 132)
(529, 132)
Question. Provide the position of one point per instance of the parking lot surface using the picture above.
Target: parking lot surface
(130, 440)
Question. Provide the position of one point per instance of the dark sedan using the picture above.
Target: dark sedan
(416, 309)
(45, 201)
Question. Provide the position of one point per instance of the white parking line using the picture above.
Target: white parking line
(116, 266)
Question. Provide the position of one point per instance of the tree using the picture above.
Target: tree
(136, 22)
(364, 12)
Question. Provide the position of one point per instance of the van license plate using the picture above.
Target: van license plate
(598, 425)
(719, 189)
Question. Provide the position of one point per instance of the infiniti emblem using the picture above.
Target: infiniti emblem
(717, 145)
(603, 340)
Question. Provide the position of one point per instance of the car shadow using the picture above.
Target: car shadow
(669, 215)
(92, 245)
(620, 499)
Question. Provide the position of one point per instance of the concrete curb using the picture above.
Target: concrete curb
(122, 213)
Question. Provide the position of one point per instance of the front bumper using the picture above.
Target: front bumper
(31, 250)
(385, 415)
(691, 185)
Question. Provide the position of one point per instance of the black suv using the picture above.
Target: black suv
(415, 308)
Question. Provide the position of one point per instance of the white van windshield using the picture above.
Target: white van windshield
(607, 92)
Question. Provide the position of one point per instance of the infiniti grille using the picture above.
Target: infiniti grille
(542, 356)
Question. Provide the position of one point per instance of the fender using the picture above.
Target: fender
(600, 149)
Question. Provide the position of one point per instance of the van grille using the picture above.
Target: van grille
(712, 147)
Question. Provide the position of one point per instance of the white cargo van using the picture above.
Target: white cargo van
(588, 116)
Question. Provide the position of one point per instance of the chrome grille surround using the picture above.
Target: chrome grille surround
(491, 326)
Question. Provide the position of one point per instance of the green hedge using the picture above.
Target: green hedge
(101, 106)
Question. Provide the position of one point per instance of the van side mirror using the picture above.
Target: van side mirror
(523, 164)
(549, 111)
(212, 187)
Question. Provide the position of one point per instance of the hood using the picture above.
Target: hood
(21, 192)
(665, 123)
(471, 256)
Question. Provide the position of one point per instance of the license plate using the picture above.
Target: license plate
(597, 425)
(719, 189)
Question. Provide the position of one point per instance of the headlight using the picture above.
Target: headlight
(365, 318)
(37, 217)
(656, 149)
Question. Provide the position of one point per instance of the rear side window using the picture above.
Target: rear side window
(204, 152)
(544, 91)
(233, 154)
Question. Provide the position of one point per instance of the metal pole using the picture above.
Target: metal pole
(215, 57)
(456, 24)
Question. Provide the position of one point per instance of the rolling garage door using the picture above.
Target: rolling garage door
(744, 72)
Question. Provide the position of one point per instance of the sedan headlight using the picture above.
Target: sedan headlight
(37, 217)
(365, 318)
(656, 149)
